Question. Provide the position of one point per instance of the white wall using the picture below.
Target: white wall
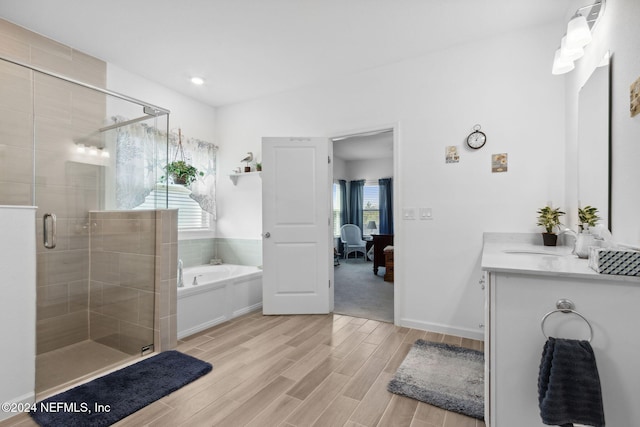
(618, 31)
(195, 118)
(502, 83)
(339, 169)
(371, 169)
(18, 306)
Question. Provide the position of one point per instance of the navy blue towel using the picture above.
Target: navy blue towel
(569, 385)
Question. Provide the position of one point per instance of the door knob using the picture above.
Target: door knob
(267, 235)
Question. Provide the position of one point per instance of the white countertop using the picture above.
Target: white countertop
(511, 253)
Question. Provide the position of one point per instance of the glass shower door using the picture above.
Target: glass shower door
(96, 272)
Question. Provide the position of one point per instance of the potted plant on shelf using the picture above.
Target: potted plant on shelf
(258, 166)
(587, 217)
(549, 218)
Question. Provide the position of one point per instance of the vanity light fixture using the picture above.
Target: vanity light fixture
(92, 150)
(198, 81)
(568, 52)
(561, 65)
(578, 35)
(578, 31)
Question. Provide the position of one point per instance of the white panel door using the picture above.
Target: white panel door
(296, 226)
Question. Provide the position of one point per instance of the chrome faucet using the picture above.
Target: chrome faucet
(180, 281)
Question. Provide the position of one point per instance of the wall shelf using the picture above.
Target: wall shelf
(234, 176)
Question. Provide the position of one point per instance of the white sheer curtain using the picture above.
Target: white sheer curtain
(138, 169)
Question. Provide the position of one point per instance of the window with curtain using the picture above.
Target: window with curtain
(370, 208)
(337, 209)
(386, 206)
(356, 197)
(138, 175)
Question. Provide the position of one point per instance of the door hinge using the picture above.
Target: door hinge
(329, 283)
(329, 159)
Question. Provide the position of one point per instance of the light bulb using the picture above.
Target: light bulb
(570, 53)
(197, 81)
(561, 65)
(578, 32)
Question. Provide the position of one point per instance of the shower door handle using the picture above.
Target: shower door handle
(49, 234)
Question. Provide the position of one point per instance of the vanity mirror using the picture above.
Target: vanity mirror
(594, 142)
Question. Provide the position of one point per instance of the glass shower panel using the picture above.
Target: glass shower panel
(96, 279)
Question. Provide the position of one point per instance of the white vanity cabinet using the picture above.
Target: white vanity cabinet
(520, 290)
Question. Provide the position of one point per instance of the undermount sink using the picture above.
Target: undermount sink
(532, 252)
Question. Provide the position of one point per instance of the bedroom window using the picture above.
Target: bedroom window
(370, 208)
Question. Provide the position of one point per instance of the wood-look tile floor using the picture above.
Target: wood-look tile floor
(310, 370)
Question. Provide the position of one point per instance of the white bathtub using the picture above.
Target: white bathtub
(222, 293)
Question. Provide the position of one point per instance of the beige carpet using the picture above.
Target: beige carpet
(360, 293)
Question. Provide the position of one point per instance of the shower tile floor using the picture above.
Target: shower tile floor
(62, 366)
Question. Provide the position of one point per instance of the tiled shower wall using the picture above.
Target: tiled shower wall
(53, 113)
(231, 251)
(133, 272)
(62, 113)
(62, 108)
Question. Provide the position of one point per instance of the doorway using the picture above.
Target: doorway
(363, 168)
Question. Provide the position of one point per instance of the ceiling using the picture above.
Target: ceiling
(246, 49)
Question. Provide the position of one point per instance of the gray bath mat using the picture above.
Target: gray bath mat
(443, 375)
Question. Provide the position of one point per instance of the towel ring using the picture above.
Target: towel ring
(565, 310)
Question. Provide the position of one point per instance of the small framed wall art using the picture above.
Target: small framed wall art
(452, 154)
(635, 98)
(499, 162)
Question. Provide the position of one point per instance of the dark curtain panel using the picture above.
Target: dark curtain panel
(386, 205)
(344, 213)
(356, 196)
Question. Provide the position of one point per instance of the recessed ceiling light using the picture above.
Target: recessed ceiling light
(197, 80)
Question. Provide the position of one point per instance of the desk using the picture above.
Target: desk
(380, 241)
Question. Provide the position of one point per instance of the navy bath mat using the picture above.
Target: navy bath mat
(108, 399)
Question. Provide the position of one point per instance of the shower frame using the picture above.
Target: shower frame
(166, 220)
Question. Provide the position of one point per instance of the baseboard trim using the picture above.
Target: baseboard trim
(475, 334)
(26, 400)
(246, 310)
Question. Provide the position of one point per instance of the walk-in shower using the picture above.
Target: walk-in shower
(97, 260)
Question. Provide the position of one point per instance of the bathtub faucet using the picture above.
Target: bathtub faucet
(180, 281)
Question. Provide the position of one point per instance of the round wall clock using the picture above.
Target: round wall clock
(476, 139)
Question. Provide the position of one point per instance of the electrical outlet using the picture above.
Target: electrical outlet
(409, 213)
(426, 213)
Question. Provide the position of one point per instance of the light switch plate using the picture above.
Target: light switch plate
(426, 213)
(409, 213)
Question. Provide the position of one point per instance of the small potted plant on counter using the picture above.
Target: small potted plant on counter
(587, 217)
(549, 218)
